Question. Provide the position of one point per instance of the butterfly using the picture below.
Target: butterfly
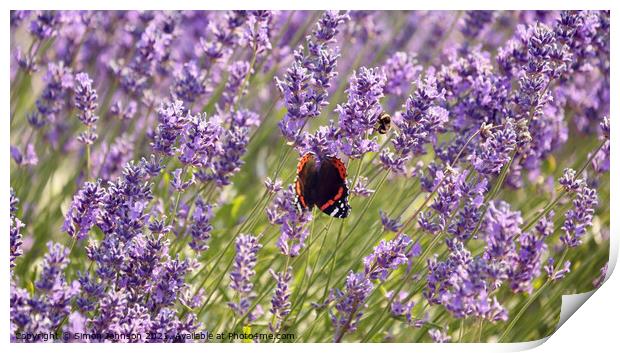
(383, 123)
(322, 182)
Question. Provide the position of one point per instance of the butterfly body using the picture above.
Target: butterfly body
(322, 183)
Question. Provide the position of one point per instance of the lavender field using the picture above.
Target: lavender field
(302, 176)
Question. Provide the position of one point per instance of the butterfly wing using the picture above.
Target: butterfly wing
(332, 193)
(305, 181)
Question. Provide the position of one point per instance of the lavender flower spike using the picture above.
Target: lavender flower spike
(84, 210)
(579, 218)
(16, 226)
(247, 247)
(280, 302)
(86, 104)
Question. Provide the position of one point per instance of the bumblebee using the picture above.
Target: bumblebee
(383, 123)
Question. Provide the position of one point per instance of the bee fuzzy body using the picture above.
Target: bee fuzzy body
(383, 123)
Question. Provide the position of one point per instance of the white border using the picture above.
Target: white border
(594, 327)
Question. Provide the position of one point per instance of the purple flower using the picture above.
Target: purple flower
(556, 275)
(495, 151)
(462, 284)
(293, 230)
(273, 186)
(601, 161)
(200, 228)
(393, 163)
(361, 188)
(189, 83)
(234, 144)
(569, 182)
(359, 114)
(349, 303)
(598, 281)
(86, 104)
(45, 24)
(258, 32)
(392, 225)
(528, 261)
(57, 294)
(439, 336)
(280, 302)
(386, 257)
(421, 119)
(28, 158)
(85, 99)
(15, 235)
(468, 217)
(474, 23)
(172, 120)
(400, 307)
(84, 210)
(502, 228)
(605, 127)
(200, 142)
(247, 247)
(238, 71)
(400, 70)
(306, 82)
(579, 217)
(178, 183)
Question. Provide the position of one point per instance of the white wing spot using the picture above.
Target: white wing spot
(334, 212)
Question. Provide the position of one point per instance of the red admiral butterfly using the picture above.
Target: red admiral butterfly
(322, 183)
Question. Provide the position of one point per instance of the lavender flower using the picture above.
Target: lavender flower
(86, 104)
(474, 23)
(439, 336)
(84, 210)
(495, 151)
(579, 217)
(247, 247)
(462, 284)
(293, 231)
(189, 83)
(52, 301)
(258, 32)
(349, 301)
(468, 217)
(273, 186)
(15, 235)
(234, 145)
(386, 257)
(502, 228)
(172, 120)
(361, 188)
(556, 275)
(528, 263)
(280, 302)
(393, 163)
(598, 281)
(569, 182)
(200, 228)
(29, 157)
(45, 24)
(359, 114)
(421, 119)
(392, 225)
(238, 72)
(400, 307)
(306, 82)
(400, 70)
